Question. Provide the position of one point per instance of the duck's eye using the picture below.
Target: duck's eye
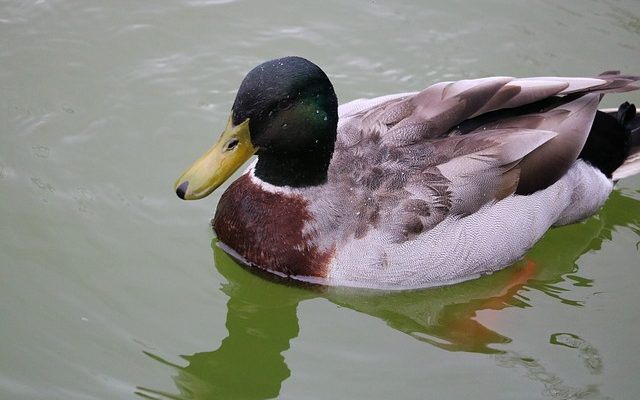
(231, 144)
(285, 104)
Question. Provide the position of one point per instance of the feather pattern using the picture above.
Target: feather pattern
(416, 177)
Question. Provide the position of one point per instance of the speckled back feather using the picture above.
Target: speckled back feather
(405, 164)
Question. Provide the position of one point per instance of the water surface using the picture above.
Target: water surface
(111, 287)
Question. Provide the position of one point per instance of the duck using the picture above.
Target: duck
(409, 190)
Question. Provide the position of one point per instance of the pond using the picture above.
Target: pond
(113, 288)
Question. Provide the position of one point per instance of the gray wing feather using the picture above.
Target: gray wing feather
(548, 163)
(408, 166)
(432, 113)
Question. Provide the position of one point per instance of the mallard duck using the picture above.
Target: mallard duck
(413, 189)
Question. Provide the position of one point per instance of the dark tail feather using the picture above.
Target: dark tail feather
(609, 142)
(630, 120)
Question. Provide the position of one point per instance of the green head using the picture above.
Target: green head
(286, 112)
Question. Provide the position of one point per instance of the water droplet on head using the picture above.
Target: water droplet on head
(285, 126)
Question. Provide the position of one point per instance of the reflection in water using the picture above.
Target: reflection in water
(444, 317)
(262, 316)
(261, 320)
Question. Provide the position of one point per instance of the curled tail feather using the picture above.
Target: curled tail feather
(630, 120)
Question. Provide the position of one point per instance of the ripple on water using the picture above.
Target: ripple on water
(83, 198)
(41, 151)
(204, 3)
(45, 188)
(4, 171)
(589, 354)
(554, 385)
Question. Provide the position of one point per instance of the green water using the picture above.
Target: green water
(110, 287)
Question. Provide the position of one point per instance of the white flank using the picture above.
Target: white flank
(460, 249)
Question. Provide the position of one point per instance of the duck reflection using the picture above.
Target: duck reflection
(262, 313)
(261, 321)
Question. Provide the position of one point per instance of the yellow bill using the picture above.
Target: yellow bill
(216, 165)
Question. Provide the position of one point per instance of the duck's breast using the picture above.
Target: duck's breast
(266, 229)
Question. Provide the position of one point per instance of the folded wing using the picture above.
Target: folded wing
(460, 145)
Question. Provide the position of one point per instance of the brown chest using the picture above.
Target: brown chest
(266, 229)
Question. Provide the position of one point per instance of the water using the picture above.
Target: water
(110, 287)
